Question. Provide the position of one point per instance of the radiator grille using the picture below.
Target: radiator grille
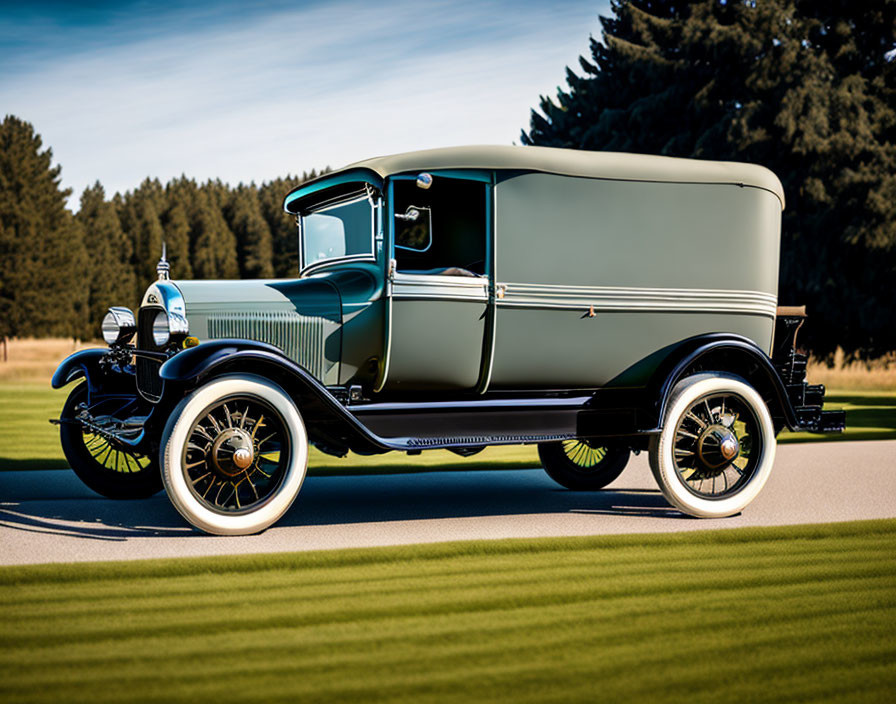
(149, 383)
(302, 338)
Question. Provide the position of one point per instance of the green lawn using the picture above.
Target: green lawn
(870, 415)
(28, 441)
(776, 614)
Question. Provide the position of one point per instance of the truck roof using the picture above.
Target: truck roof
(571, 162)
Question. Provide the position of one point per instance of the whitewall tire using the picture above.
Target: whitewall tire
(717, 446)
(234, 455)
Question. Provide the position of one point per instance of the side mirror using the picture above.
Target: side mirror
(413, 229)
(412, 214)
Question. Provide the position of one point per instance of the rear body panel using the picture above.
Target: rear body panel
(610, 272)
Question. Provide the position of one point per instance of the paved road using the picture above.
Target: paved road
(51, 517)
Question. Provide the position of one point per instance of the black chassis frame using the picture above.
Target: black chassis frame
(340, 419)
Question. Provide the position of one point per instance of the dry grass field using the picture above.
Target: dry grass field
(877, 375)
(29, 360)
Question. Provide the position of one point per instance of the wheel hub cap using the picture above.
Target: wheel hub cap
(232, 452)
(717, 447)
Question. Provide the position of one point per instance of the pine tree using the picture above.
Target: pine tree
(110, 277)
(42, 284)
(147, 237)
(213, 245)
(284, 233)
(253, 237)
(803, 89)
(176, 227)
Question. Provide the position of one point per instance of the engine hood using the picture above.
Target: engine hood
(301, 317)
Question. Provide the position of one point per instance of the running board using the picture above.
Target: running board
(472, 423)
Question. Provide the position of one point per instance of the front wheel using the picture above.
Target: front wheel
(109, 468)
(234, 455)
(581, 465)
(717, 446)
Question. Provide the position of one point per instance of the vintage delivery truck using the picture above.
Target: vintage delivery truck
(594, 304)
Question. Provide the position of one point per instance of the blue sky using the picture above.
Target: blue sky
(122, 91)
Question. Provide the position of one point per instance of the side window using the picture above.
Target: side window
(440, 230)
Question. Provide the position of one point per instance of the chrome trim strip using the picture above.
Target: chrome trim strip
(633, 299)
(443, 288)
(491, 319)
(384, 231)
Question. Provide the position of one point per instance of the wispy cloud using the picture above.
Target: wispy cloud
(250, 97)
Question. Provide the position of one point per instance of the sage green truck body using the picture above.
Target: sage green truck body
(595, 266)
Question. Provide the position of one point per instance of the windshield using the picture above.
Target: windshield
(340, 231)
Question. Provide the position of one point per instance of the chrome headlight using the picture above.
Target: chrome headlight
(119, 325)
(168, 327)
(161, 332)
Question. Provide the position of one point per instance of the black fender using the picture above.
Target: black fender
(722, 353)
(85, 363)
(324, 415)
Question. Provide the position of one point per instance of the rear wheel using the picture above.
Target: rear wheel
(234, 455)
(717, 446)
(106, 467)
(582, 465)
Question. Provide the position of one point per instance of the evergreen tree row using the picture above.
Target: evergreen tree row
(804, 87)
(61, 271)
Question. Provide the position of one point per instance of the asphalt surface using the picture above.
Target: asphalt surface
(49, 516)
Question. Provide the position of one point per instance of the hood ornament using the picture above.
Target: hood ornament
(163, 268)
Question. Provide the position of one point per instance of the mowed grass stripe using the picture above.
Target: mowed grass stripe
(388, 575)
(230, 604)
(759, 613)
(478, 645)
(800, 601)
(440, 556)
(157, 595)
(454, 663)
(353, 640)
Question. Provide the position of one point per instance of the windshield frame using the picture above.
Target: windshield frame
(373, 201)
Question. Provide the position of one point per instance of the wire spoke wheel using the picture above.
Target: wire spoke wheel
(236, 454)
(583, 454)
(716, 445)
(105, 454)
(108, 467)
(582, 465)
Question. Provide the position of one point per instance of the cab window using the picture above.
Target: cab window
(342, 230)
(440, 230)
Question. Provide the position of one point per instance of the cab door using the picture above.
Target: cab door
(438, 281)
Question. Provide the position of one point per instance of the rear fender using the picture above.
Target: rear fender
(722, 353)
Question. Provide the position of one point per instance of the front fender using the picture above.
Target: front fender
(193, 365)
(80, 364)
(198, 364)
